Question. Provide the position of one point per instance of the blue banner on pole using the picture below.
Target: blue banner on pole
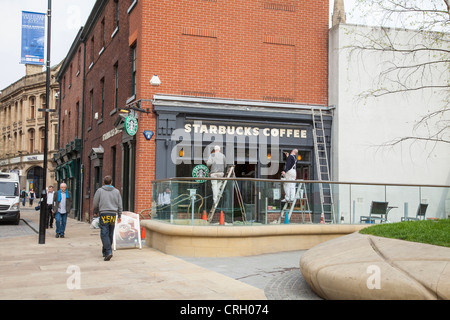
(33, 38)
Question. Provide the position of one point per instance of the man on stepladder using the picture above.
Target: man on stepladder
(290, 173)
(217, 162)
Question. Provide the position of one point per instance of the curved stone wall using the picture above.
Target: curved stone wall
(366, 267)
(227, 241)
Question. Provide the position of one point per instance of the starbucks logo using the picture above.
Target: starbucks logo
(131, 125)
(200, 171)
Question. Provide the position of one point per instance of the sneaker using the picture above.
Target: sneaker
(108, 257)
(57, 235)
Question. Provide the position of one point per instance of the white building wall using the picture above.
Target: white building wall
(363, 128)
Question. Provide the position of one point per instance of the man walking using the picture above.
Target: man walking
(50, 196)
(62, 203)
(24, 196)
(107, 203)
(217, 162)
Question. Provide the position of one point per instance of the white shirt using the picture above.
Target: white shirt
(164, 198)
(62, 203)
(50, 197)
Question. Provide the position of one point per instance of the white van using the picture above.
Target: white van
(9, 197)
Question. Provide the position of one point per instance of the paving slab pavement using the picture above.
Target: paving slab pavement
(278, 274)
(72, 268)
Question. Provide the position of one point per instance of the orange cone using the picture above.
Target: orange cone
(222, 219)
(142, 233)
(204, 217)
(322, 218)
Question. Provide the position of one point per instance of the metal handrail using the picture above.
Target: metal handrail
(193, 179)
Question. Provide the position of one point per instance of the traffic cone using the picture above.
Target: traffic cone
(286, 218)
(204, 217)
(322, 218)
(222, 219)
(142, 233)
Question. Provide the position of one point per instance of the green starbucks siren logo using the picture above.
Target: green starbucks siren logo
(200, 171)
(131, 125)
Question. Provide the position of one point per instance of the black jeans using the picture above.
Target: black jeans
(49, 220)
(107, 223)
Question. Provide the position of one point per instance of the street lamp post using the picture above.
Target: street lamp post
(43, 212)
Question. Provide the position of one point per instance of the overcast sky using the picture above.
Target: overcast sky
(67, 18)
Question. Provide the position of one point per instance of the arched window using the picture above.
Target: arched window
(42, 139)
(4, 151)
(16, 112)
(31, 139)
(19, 141)
(9, 143)
(43, 105)
(32, 113)
(15, 146)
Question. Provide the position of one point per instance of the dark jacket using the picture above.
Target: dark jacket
(68, 201)
(290, 163)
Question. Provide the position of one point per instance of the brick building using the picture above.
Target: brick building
(95, 81)
(226, 68)
(243, 64)
(68, 157)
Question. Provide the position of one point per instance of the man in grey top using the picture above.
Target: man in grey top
(217, 162)
(107, 203)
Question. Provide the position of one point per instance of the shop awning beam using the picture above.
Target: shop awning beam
(161, 99)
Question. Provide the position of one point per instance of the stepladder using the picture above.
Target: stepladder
(222, 186)
(300, 204)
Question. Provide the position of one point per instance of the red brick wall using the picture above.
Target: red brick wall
(116, 52)
(70, 94)
(273, 50)
(255, 49)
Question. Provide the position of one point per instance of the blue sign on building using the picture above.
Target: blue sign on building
(33, 38)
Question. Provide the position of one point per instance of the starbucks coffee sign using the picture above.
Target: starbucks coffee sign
(131, 125)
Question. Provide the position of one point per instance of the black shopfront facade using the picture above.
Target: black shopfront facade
(253, 135)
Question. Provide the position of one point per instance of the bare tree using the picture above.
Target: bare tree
(420, 62)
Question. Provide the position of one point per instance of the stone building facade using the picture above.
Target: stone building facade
(22, 127)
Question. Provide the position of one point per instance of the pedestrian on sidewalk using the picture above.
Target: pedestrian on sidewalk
(50, 213)
(24, 196)
(62, 203)
(31, 197)
(107, 204)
